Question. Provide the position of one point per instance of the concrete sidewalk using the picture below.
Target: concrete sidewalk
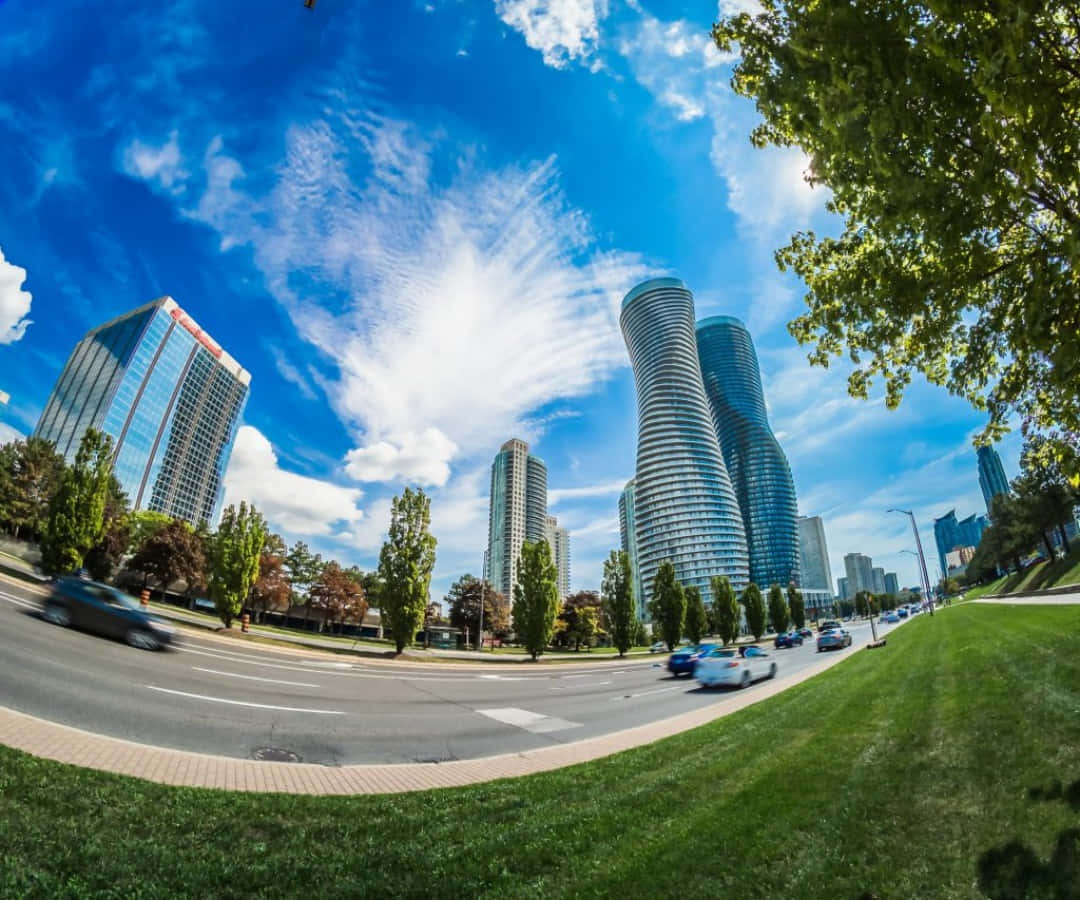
(176, 767)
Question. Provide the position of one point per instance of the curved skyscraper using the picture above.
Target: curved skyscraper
(757, 466)
(685, 509)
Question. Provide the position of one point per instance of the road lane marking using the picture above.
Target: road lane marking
(571, 687)
(648, 693)
(255, 677)
(19, 600)
(529, 721)
(319, 712)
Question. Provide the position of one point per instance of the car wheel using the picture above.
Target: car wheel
(57, 615)
(772, 671)
(745, 683)
(142, 639)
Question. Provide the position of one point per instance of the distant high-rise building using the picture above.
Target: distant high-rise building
(843, 589)
(755, 462)
(518, 512)
(860, 573)
(992, 478)
(951, 534)
(559, 541)
(815, 571)
(878, 578)
(628, 539)
(892, 583)
(685, 508)
(170, 398)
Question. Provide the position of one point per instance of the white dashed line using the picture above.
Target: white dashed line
(319, 712)
(255, 677)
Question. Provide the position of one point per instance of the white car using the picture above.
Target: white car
(736, 668)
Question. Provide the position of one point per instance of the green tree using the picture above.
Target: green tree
(697, 621)
(754, 608)
(171, 554)
(571, 629)
(536, 597)
(77, 510)
(668, 604)
(145, 523)
(796, 606)
(779, 614)
(947, 134)
(109, 551)
(726, 613)
(304, 568)
(405, 564)
(463, 602)
(641, 634)
(234, 559)
(617, 589)
(862, 603)
(30, 475)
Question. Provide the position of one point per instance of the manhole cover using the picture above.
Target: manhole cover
(275, 754)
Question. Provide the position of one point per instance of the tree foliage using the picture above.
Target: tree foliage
(463, 601)
(338, 595)
(536, 597)
(234, 559)
(726, 613)
(949, 136)
(570, 629)
(30, 475)
(779, 614)
(77, 509)
(405, 565)
(272, 590)
(697, 620)
(796, 606)
(754, 608)
(171, 554)
(103, 558)
(617, 590)
(668, 604)
(304, 568)
(862, 603)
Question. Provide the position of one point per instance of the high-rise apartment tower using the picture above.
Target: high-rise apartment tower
(685, 507)
(755, 462)
(517, 513)
(170, 398)
(559, 541)
(992, 478)
(628, 539)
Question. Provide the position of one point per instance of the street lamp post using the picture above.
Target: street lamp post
(483, 597)
(922, 558)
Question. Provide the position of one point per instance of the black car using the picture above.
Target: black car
(98, 607)
(788, 639)
(805, 632)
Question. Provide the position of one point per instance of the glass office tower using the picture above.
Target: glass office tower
(992, 478)
(628, 540)
(685, 508)
(170, 398)
(758, 468)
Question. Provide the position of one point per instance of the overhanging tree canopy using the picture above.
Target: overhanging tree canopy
(949, 134)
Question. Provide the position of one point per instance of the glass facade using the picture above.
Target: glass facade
(628, 539)
(950, 533)
(684, 505)
(517, 511)
(992, 478)
(758, 468)
(860, 573)
(169, 397)
(815, 571)
(559, 541)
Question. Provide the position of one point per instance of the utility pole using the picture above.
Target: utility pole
(922, 558)
(483, 597)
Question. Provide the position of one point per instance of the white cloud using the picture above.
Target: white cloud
(288, 371)
(559, 495)
(421, 458)
(14, 302)
(562, 30)
(162, 164)
(9, 434)
(293, 503)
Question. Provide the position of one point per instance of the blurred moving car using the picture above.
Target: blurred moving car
(902, 613)
(833, 639)
(737, 668)
(805, 632)
(658, 647)
(788, 639)
(892, 618)
(105, 610)
(827, 625)
(683, 661)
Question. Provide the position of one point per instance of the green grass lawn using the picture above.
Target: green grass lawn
(1037, 577)
(943, 762)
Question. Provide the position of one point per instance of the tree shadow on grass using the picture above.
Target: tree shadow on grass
(1013, 871)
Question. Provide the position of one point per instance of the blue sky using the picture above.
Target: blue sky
(413, 223)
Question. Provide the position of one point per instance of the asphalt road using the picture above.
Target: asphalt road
(209, 697)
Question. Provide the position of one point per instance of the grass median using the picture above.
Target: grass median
(904, 772)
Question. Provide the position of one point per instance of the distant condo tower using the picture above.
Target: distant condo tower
(628, 539)
(559, 541)
(758, 468)
(169, 396)
(685, 509)
(518, 512)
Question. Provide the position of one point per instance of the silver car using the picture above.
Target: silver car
(735, 668)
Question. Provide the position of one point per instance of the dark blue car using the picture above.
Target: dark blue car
(788, 639)
(682, 661)
(86, 604)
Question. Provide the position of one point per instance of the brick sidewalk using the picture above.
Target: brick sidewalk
(177, 767)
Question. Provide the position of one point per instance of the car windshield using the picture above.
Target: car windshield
(754, 651)
(112, 597)
(719, 653)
